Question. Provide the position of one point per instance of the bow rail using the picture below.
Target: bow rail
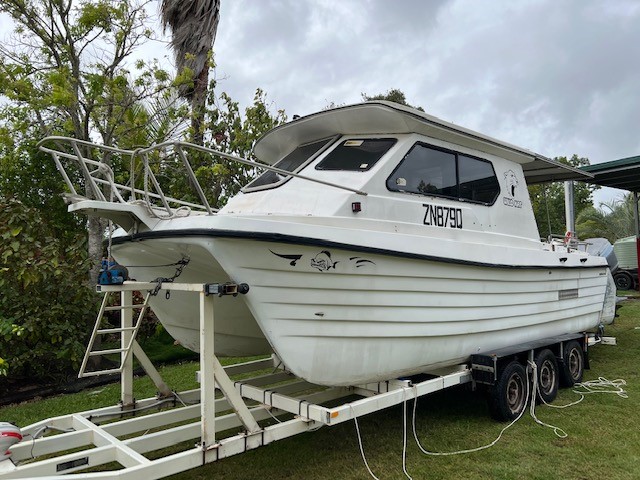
(111, 174)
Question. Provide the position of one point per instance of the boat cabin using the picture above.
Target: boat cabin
(402, 166)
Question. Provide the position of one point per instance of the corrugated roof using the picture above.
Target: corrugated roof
(623, 173)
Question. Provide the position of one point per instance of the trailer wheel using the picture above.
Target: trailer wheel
(573, 368)
(508, 397)
(623, 281)
(547, 373)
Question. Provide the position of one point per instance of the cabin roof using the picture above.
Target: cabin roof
(387, 118)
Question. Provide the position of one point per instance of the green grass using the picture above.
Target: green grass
(603, 431)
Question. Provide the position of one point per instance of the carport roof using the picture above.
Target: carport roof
(623, 173)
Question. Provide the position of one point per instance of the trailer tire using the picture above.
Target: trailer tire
(508, 397)
(547, 376)
(573, 364)
(623, 281)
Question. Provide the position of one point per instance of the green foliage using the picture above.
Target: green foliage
(67, 63)
(547, 200)
(392, 95)
(44, 308)
(230, 130)
(613, 220)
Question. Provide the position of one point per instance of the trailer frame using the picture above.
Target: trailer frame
(120, 435)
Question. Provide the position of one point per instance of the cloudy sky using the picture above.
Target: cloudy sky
(557, 77)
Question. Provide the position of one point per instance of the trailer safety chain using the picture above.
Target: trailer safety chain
(160, 280)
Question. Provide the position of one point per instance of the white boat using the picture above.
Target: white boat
(398, 243)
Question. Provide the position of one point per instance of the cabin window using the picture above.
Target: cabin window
(357, 155)
(478, 181)
(293, 162)
(426, 170)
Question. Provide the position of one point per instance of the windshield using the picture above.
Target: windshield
(293, 162)
(356, 155)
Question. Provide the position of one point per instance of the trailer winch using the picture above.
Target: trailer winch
(111, 273)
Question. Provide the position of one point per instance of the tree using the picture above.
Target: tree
(392, 95)
(193, 24)
(613, 220)
(67, 72)
(547, 200)
(231, 131)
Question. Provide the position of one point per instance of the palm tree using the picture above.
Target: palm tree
(613, 220)
(193, 24)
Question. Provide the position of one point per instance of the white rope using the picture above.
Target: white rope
(601, 385)
(364, 459)
(404, 433)
(470, 450)
(560, 433)
(595, 386)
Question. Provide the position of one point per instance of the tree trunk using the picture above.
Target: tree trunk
(198, 103)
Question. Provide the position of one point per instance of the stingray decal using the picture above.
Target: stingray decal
(323, 261)
(293, 258)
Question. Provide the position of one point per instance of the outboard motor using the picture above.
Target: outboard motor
(601, 247)
(9, 436)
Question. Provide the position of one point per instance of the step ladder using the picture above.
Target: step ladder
(127, 330)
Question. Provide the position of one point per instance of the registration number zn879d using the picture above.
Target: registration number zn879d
(441, 216)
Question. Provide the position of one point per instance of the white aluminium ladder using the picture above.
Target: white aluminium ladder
(127, 332)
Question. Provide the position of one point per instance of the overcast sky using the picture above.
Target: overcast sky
(557, 77)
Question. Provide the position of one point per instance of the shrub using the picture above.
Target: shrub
(45, 305)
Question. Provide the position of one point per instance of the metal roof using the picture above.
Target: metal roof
(623, 173)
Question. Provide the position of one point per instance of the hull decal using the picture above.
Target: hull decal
(293, 258)
(323, 261)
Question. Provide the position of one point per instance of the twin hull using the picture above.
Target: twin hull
(341, 317)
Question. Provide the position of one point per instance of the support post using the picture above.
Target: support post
(126, 322)
(637, 232)
(569, 208)
(207, 379)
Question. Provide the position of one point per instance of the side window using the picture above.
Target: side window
(431, 171)
(356, 155)
(478, 181)
(426, 171)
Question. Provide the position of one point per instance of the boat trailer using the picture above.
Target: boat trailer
(196, 426)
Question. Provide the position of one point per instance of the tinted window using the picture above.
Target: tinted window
(430, 171)
(426, 171)
(478, 181)
(356, 155)
(291, 163)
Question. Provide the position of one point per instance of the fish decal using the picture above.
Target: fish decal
(323, 262)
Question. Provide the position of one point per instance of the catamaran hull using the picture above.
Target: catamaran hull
(340, 316)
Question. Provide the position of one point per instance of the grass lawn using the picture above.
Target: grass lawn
(603, 431)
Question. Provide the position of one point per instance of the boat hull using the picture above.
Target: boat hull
(340, 316)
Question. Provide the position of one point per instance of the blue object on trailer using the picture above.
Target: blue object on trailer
(111, 273)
